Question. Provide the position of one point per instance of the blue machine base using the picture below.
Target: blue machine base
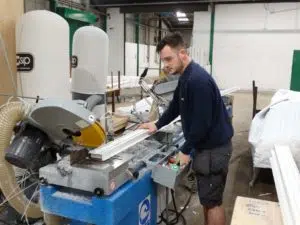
(135, 203)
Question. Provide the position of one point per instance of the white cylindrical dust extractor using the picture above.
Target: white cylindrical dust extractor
(90, 66)
(43, 62)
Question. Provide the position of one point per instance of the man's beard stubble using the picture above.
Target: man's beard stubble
(180, 67)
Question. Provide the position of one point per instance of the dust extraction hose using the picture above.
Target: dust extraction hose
(52, 220)
(10, 114)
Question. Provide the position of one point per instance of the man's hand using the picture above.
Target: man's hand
(150, 126)
(183, 159)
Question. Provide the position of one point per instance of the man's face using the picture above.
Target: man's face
(172, 60)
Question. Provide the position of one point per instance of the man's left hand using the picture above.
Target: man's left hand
(183, 159)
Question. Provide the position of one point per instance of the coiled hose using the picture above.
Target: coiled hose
(10, 115)
(52, 220)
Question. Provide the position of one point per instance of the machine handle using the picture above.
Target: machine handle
(134, 171)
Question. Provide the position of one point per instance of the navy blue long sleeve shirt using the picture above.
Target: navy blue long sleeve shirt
(204, 118)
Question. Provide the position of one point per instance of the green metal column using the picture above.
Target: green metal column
(53, 5)
(212, 31)
(137, 41)
(76, 19)
(105, 23)
(295, 76)
(159, 38)
(124, 45)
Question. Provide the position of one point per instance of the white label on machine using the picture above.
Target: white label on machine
(145, 211)
(82, 124)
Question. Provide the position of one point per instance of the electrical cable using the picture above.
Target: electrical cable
(178, 214)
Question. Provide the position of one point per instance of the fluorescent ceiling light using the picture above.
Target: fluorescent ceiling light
(183, 19)
(180, 14)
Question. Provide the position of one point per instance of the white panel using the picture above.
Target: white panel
(255, 42)
(255, 16)
(153, 32)
(154, 57)
(281, 16)
(130, 29)
(131, 54)
(142, 36)
(130, 59)
(143, 63)
(154, 62)
(199, 50)
(201, 21)
(115, 32)
(266, 58)
(239, 16)
(143, 55)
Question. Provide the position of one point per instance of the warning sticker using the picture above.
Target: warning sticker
(82, 124)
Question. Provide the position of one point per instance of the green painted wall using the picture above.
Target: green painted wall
(75, 18)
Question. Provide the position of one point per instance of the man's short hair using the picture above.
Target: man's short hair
(174, 40)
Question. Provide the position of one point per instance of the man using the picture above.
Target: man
(205, 123)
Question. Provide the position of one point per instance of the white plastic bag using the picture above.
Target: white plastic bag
(279, 123)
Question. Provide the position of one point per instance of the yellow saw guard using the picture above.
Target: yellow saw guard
(92, 136)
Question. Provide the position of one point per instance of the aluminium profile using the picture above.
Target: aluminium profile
(119, 145)
(281, 191)
(229, 91)
(287, 181)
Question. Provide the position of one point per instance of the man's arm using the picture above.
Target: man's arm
(201, 98)
(172, 112)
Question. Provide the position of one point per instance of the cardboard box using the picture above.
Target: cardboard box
(251, 211)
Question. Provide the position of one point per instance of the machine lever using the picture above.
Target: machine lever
(134, 171)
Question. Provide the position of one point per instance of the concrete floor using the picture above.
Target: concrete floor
(240, 169)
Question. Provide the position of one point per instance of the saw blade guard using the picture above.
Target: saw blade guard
(68, 120)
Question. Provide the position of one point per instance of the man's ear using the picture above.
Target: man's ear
(183, 51)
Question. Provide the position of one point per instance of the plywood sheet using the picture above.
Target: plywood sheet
(10, 11)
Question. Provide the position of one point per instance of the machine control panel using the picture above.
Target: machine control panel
(166, 172)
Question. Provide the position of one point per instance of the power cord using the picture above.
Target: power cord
(5, 222)
(178, 214)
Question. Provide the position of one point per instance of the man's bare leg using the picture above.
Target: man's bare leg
(205, 212)
(215, 216)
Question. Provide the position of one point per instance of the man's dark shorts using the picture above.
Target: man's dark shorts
(211, 168)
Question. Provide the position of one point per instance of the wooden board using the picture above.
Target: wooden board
(250, 211)
(10, 11)
(119, 122)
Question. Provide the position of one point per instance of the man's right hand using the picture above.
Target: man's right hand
(150, 126)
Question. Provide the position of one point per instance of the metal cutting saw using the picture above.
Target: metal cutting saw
(84, 179)
(87, 180)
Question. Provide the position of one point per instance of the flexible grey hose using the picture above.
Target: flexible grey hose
(10, 114)
(93, 100)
